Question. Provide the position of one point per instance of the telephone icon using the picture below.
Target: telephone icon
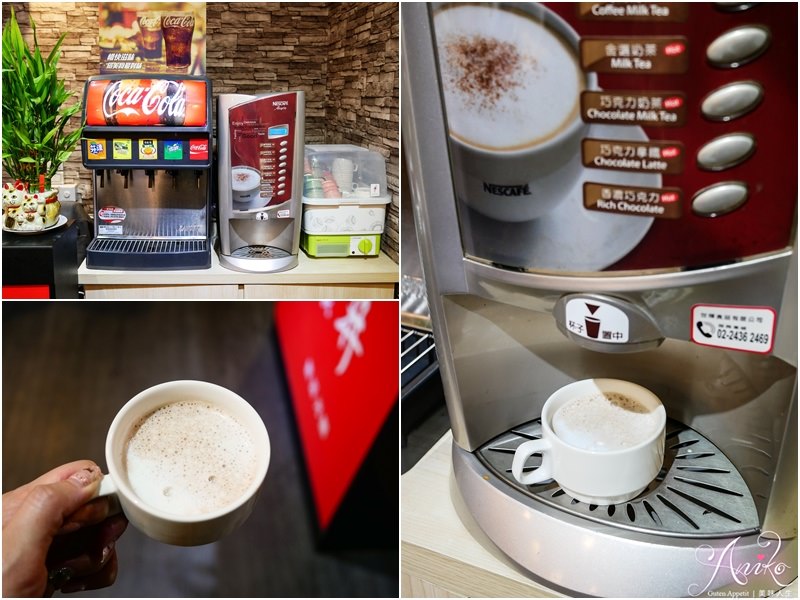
(706, 329)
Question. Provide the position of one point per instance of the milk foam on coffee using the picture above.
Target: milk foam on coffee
(604, 422)
(189, 458)
(509, 81)
(245, 179)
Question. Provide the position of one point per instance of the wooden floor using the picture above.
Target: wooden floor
(67, 369)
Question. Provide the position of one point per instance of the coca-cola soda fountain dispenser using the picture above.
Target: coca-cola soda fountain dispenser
(148, 143)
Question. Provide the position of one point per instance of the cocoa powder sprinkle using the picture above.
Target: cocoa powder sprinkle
(483, 69)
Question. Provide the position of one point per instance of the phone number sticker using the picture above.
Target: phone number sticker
(745, 328)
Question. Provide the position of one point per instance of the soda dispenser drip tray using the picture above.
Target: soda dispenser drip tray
(148, 246)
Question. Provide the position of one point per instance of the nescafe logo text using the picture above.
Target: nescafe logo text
(507, 190)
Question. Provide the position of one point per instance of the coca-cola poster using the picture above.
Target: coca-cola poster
(152, 37)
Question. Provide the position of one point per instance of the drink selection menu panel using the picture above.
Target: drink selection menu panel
(677, 148)
(147, 152)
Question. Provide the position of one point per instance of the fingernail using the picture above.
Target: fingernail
(86, 476)
(106, 553)
(69, 528)
(117, 526)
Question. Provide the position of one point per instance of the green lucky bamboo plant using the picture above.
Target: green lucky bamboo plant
(35, 115)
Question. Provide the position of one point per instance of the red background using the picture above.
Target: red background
(356, 403)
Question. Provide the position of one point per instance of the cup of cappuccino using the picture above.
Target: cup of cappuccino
(602, 441)
(512, 81)
(186, 460)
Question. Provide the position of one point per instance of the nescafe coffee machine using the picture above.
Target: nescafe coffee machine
(148, 144)
(666, 255)
(260, 158)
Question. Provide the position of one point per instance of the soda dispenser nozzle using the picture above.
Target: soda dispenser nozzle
(174, 175)
(197, 175)
(151, 178)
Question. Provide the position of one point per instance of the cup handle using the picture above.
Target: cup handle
(523, 453)
(108, 488)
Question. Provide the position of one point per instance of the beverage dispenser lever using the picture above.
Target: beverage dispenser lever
(197, 176)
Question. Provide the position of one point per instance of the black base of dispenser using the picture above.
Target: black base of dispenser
(148, 254)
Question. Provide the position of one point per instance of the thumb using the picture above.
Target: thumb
(46, 507)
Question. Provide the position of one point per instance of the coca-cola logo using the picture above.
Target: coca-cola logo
(149, 21)
(198, 149)
(178, 21)
(161, 97)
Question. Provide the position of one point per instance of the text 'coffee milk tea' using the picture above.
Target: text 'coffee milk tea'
(189, 458)
(604, 422)
(510, 82)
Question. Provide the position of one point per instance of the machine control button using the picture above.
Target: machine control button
(284, 143)
(719, 199)
(282, 178)
(281, 186)
(281, 171)
(262, 216)
(731, 7)
(283, 164)
(732, 100)
(738, 46)
(726, 151)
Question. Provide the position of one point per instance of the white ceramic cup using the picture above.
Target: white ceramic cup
(596, 476)
(342, 170)
(521, 183)
(182, 530)
(246, 191)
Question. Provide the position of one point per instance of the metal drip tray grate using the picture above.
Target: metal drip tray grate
(417, 355)
(260, 252)
(147, 246)
(698, 493)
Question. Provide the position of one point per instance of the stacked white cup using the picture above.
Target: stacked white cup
(343, 169)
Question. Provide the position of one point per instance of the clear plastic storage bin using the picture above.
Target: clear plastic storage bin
(344, 200)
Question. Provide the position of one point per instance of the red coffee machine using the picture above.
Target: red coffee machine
(260, 143)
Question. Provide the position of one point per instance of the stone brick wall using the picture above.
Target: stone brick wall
(363, 91)
(79, 56)
(343, 55)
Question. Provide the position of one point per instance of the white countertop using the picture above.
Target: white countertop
(332, 271)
